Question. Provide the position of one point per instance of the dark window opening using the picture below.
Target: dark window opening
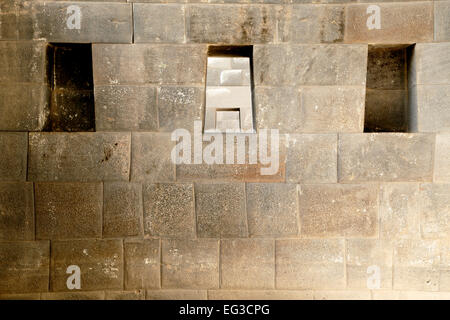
(387, 105)
(69, 77)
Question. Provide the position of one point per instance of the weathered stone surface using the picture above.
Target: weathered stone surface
(79, 156)
(20, 296)
(192, 264)
(386, 67)
(24, 266)
(260, 295)
(122, 212)
(342, 295)
(147, 63)
(442, 158)
(311, 158)
(151, 160)
(432, 105)
(311, 24)
(272, 209)
(100, 22)
(169, 210)
(125, 295)
(220, 210)
(16, 211)
(100, 262)
(125, 108)
(363, 254)
(179, 107)
(385, 157)
(291, 65)
(435, 210)
(17, 20)
(386, 111)
(13, 156)
(334, 210)
(68, 210)
(176, 295)
(148, 26)
(310, 264)
(247, 263)
(87, 295)
(400, 23)
(444, 270)
(233, 24)
(142, 264)
(431, 63)
(399, 211)
(441, 21)
(24, 106)
(416, 265)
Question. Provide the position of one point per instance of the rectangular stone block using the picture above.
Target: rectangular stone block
(336, 210)
(386, 111)
(87, 295)
(367, 261)
(272, 209)
(13, 156)
(176, 295)
(291, 65)
(399, 23)
(79, 156)
(220, 210)
(148, 26)
(416, 265)
(98, 22)
(68, 210)
(435, 210)
(304, 23)
(386, 67)
(372, 157)
(125, 108)
(122, 209)
(247, 263)
(191, 264)
(233, 24)
(142, 264)
(260, 294)
(17, 20)
(442, 158)
(125, 295)
(17, 211)
(399, 211)
(151, 161)
(442, 21)
(431, 64)
(147, 63)
(311, 158)
(431, 105)
(100, 263)
(169, 210)
(24, 266)
(310, 264)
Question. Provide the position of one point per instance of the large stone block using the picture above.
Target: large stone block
(125, 108)
(79, 156)
(68, 210)
(220, 210)
(432, 107)
(336, 210)
(385, 157)
(369, 260)
(435, 210)
(233, 24)
(24, 266)
(192, 264)
(16, 211)
(169, 210)
(290, 65)
(151, 161)
(122, 209)
(310, 264)
(442, 158)
(147, 63)
(399, 211)
(416, 265)
(442, 21)
(272, 209)
(311, 24)
(100, 263)
(13, 156)
(142, 264)
(399, 23)
(158, 23)
(431, 64)
(311, 158)
(247, 263)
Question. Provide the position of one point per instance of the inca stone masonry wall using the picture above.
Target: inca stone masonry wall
(139, 226)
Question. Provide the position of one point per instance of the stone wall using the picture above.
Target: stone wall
(139, 226)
